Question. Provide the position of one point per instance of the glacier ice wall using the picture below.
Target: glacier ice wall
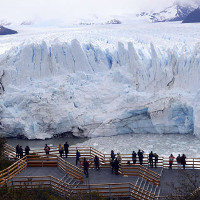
(56, 88)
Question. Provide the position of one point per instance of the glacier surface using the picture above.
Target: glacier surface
(89, 90)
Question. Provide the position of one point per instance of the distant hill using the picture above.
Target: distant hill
(6, 31)
(175, 12)
(193, 17)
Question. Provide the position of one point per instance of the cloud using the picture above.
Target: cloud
(71, 9)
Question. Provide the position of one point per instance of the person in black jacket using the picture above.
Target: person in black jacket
(112, 155)
(134, 155)
(183, 160)
(86, 166)
(78, 155)
(140, 155)
(27, 149)
(116, 166)
(151, 159)
(156, 159)
(66, 148)
(20, 152)
(17, 151)
(96, 162)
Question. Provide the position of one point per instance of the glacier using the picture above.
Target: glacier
(52, 88)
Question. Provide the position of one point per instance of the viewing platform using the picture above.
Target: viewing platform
(65, 178)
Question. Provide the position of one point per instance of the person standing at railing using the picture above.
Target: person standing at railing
(140, 155)
(116, 166)
(171, 160)
(86, 166)
(178, 160)
(112, 155)
(78, 155)
(156, 159)
(20, 152)
(47, 150)
(96, 162)
(183, 160)
(60, 149)
(17, 151)
(151, 159)
(27, 149)
(66, 148)
(119, 158)
(134, 157)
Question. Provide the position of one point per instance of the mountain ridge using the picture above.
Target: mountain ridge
(176, 12)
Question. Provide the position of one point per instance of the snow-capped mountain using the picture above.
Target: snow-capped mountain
(175, 12)
(193, 17)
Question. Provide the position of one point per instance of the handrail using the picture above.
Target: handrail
(139, 170)
(9, 150)
(114, 189)
(70, 169)
(192, 163)
(120, 189)
(54, 183)
(151, 171)
(12, 170)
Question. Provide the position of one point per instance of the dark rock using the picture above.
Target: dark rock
(6, 31)
(193, 17)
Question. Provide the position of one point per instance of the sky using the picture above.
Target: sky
(22, 10)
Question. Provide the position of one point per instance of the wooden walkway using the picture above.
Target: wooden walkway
(135, 181)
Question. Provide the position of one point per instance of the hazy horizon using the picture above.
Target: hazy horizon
(65, 10)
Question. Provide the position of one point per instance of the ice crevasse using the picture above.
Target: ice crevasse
(90, 91)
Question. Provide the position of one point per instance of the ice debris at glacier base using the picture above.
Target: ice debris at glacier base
(56, 88)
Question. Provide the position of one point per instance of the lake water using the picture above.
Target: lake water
(162, 144)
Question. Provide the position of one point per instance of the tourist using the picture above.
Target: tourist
(112, 155)
(20, 152)
(27, 149)
(178, 160)
(151, 159)
(86, 166)
(156, 159)
(134, 155)
(17, 151)
(183, 160)
(47, 150)
(171, 159)
(96, 162)
(78, 155)
(66, 148)
(119, 158)
(112, 165)
(116, 166)
(140, 155)
(60, 149)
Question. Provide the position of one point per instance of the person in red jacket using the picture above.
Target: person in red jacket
(171, 160)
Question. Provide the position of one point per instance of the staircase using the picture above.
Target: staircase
(73, 183)
(147, 186)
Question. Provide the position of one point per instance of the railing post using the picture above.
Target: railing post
(193, 163)
(50, 184)
(90, 152)
(110, 194)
